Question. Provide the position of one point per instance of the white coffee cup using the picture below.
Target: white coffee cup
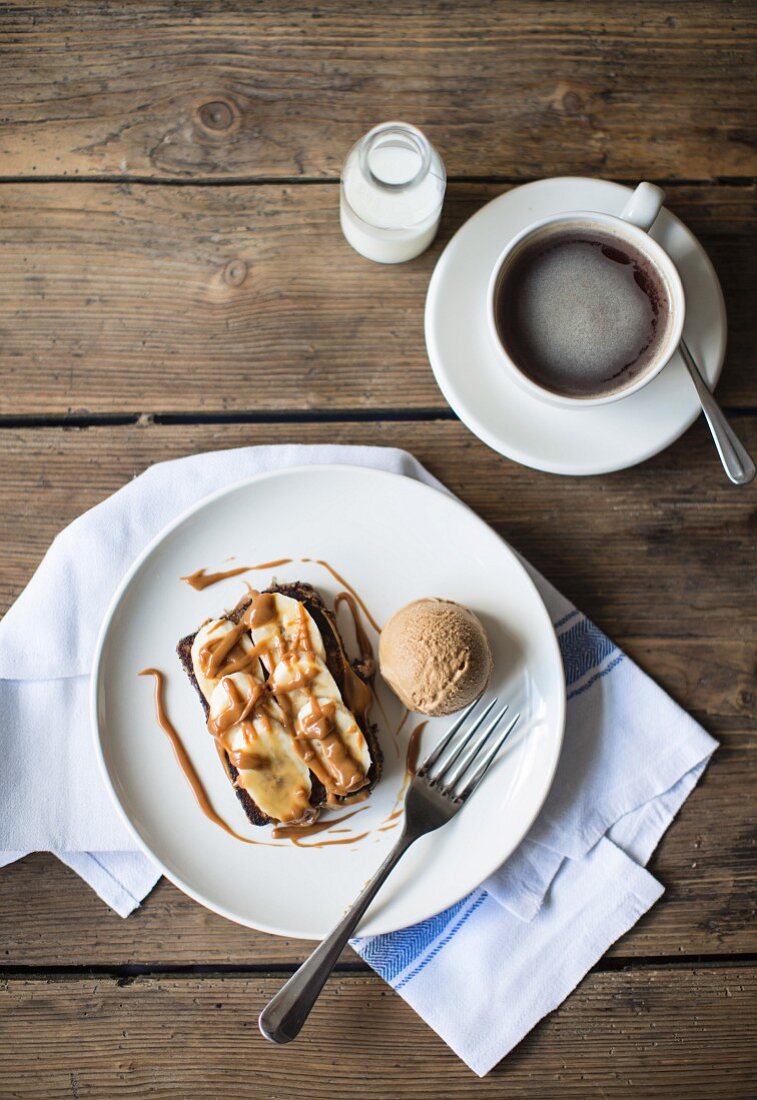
(631, 226)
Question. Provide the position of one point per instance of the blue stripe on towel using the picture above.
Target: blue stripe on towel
(443, 942)
(584, 647)
(393, 952)
(566, 618)
(597, 676)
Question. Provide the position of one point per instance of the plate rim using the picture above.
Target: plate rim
(471, 420)
(115, 603)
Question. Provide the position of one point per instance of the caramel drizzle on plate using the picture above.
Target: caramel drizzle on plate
(413, 750)
(401, 726)
(201, 579)
(411, 766)
(185, 763)
(363, 641)
(338, 577)
(297, 833)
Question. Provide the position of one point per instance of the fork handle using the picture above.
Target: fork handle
(286, 1012)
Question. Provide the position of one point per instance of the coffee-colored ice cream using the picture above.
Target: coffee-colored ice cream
(435, 656)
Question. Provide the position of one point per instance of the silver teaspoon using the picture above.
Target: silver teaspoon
(736, 461)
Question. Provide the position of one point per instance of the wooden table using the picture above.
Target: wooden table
(173, 279)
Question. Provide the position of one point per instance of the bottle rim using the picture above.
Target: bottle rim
(405, 130)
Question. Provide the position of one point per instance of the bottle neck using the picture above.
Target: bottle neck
(394, 157)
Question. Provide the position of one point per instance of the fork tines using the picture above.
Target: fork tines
(468, 757)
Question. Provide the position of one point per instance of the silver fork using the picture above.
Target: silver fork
(440, 788)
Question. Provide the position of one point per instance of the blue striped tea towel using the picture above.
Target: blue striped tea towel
(483, 972)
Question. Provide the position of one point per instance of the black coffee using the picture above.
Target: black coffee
(582, 313)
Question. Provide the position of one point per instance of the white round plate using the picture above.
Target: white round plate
(394, 540)
(522, 426)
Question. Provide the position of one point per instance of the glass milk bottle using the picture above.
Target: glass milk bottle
(391, 194)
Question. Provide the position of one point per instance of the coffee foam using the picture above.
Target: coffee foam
(576, 317)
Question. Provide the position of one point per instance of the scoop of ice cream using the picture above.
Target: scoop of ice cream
(435, 656)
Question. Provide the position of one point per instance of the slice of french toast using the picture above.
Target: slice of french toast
(304, 738)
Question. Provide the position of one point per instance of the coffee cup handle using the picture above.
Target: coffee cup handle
(643, 206)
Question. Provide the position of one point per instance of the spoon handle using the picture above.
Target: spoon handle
(736, 461)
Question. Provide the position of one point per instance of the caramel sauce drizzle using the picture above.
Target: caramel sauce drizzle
(401, 726)
(319, 723)
(217, 657)
(303, 674)
(296, 833)
(411, 766)
(262, 608)
(392, 821)
(185, 763)
(339, 773)
(302, 640)
(356, 686)
(350, 589)
(335, 767)
(363, 641)
(213, 654)
(349, 799)
(236, 709)
(329, 843)
(398, 731)
(201, 579)
(357, 694)
(413, 749)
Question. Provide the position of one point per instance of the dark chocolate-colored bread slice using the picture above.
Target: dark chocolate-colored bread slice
(337, 663)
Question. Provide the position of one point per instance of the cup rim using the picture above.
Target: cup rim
(649, 246)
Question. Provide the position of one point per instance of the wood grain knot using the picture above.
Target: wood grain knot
(570, 99)
(235, 272)
(571, 103)
(216, 115)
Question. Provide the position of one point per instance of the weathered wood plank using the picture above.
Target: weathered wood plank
(666, 522)
(657, 1033)
(514, 89)
(679, 605)
(706, 863)
(157, 299)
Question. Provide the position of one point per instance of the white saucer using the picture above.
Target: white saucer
(522, 427)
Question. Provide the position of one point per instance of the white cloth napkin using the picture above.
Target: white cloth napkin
(486, 970)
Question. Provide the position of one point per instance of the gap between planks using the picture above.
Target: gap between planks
(289, 181)
(272, 416)
(125, 973)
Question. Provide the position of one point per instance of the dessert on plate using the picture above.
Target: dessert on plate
(288, 709)
(435, 656)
